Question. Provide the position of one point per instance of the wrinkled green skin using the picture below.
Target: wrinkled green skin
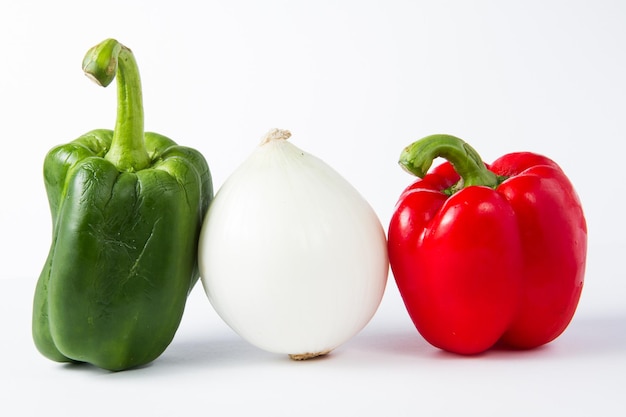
(123, 256)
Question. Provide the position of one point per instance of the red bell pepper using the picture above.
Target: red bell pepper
(487, 254)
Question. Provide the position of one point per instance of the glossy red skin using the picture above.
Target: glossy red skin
(487, 266)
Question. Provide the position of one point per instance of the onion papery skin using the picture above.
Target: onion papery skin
(291, 256)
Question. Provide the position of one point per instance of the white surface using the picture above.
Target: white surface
(355, 82)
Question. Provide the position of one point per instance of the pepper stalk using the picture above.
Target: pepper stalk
(418, 157)
(102, 63)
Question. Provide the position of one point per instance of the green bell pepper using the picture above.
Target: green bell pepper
(127, 208)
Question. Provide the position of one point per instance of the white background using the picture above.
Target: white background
(355, 82)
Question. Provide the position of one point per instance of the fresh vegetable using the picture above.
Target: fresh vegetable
(291, 255)
(486, 254)
(127, 208)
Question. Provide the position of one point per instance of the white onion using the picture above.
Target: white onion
(291, 256)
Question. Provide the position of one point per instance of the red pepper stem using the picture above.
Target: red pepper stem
(102, 63)
(418, 157)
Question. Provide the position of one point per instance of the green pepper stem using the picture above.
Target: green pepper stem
(419, 156)
(102, 63)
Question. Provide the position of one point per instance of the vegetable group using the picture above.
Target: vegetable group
(127, 208)
(291, 255)
(487, 254)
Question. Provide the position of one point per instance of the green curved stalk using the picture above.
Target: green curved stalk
(418, 157)
(102, 63)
